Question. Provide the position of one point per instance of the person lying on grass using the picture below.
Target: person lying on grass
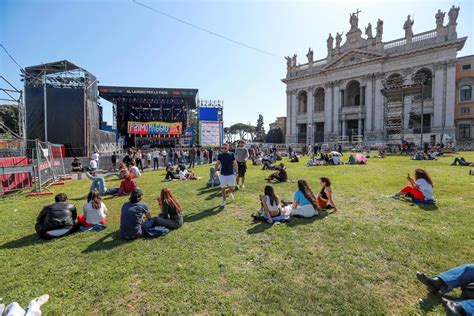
(459, 277)
(280, 175)
(324, 197)
(420, 189)
(294, 158)
(57, 220)
(305, 203)
(94, 212)
(122, 170)
(187, 175)
(126, 186)
(171, 214)
(462, 162)
(270, 204)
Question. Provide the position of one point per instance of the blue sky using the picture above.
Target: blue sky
(123, 43)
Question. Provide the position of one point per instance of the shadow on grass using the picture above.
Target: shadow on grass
(22, 242)
(263, 226)
(104, 244)
(428, 303)
(424, 207)
(206, 213)
(208, 190)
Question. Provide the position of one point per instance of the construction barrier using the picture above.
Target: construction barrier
(15, 174)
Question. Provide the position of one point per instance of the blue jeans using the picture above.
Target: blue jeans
(459, 277)
(99, 183)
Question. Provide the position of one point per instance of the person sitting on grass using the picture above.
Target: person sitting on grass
(76, 165)
(171, 212)
(213, 178)
(267, 165)
(187, 175)
(294, 158)
(270, 204)
(122, 170)
(131, 216)
(170, 173)
(126, 186)
(134, 171)
(461, 276)
(324, 197)
(305, 204)
(419, 190)
(462, 162)
(360, 159)
(57, 220)
(351, 160)
(94, 212)
(33, 309)
(280, 175)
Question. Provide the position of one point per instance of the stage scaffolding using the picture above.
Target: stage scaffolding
(14, 99)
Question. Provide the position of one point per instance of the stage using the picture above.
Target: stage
(156, 117)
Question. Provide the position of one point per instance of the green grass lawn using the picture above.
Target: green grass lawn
(361, 260)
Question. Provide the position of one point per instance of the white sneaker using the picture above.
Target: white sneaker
(223, 203)
(231, 196)
(42, 299)
(243, 186)
(238, 187)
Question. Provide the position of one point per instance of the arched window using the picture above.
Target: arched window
(302, 102)
(353, 93)
(465, 93)
(319, 100)
(424, 76)
(395, 79)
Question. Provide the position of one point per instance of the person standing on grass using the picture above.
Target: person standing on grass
(228, 165)
(156, 161)
(241, 155)
(192, 157)
(113, 160)
(420, 189)
(198, 155)
(131, 216)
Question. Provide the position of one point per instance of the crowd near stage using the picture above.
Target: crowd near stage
(156, 117)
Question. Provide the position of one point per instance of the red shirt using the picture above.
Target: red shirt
(126, 186)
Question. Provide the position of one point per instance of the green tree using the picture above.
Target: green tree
(10, 117)
(274, 136)
(260, 130)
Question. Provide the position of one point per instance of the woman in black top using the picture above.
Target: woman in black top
(325, 195)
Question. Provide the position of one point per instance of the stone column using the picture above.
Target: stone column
(368, 104)
(361, 95)
(335, 108)
(449, 126)
(294, 113)
(309, 114)
(378, 110)
(328, 106)
(343, 121)
(359, 126)
(288, 117)
(437, 95)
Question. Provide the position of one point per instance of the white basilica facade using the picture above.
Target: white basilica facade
(344, 97)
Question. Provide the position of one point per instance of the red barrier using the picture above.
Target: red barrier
(14, 181)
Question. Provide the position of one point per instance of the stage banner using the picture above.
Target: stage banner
(211, 133)
(187, 139)
(155, 128)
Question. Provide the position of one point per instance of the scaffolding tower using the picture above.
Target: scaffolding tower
(398, 98)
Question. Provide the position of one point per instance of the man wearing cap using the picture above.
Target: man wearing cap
(131, 218)
(228, 165)
(241, 155)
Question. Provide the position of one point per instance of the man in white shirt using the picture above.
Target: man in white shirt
(134, 171)
(95, 156)
(93, 165)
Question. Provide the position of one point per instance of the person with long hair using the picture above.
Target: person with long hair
(94, 212)
(305, 203)
(270, 203)
(324, 197)
(419, 189)
(171, 212)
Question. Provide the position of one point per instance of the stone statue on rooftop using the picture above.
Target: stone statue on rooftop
(293, 60)
(407, 26)
(330, 41)
(439, 18)
(379, 28)
(288, 62)
(368, 31)
(310, 55)
(453, 15)
(354, 21)
(338, 40)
